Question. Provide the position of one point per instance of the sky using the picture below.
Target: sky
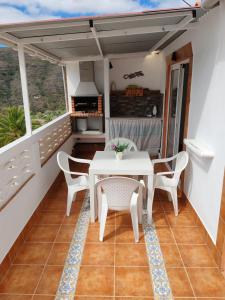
(14, 11)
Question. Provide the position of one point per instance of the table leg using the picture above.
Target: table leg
(150, 198)
(92, 197)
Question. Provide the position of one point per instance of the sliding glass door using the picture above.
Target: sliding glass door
(175, 109)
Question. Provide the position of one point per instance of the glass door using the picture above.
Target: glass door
(174, 111)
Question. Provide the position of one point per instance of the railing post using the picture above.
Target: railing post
(23, 77)
(106, 96)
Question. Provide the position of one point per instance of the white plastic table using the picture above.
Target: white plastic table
(133, 163)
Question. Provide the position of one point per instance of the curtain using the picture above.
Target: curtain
(145, 133)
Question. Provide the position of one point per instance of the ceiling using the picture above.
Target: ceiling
(99, 37)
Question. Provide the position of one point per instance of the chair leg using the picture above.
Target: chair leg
(103, 216)
(175, 201)
(70, 198)
(134, 218)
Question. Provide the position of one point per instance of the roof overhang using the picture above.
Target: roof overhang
(93, 38)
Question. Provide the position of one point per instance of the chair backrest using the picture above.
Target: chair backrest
(118, 190)
(63, 162)
(131, 145)
(181, 163)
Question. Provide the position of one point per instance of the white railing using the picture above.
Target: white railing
(21, 160)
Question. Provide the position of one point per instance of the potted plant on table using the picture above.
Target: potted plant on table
(119, 149)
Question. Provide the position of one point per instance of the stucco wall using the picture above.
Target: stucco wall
(203, 179)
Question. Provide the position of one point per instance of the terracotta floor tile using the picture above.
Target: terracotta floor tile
(95, 281)
(134, 298)
(93, 298)
(58, 254)
(123, 219)
(131, 255)
(196, 256)
(93, 235)
(43, 233)
(21, 279)
(99, 254)
(133, 281)
(72, 218)
(157, 206)
(165, 235)
(65, 234)
(187, 235)
(54, 204)
(207, 282)
(50, 280)
(179, 282)
(183, 219)
(171, 255)
(42, 297)
(50, 218)
(15, 297)
(125, 235)
(33, 253)
(159, 219)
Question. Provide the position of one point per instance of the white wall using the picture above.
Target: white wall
(73, 79)
(152, 66)
(203, 179)
(16, 214)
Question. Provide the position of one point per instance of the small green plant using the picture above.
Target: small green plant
(119, 147)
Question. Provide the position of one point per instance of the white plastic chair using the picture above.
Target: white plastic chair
(74, 184)
(131, 145)
(119, 193)
(169, 184)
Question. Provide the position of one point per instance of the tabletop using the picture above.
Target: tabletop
(133, 163)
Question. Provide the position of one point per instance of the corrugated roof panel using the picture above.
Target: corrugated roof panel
(50, 32)
(126, 25)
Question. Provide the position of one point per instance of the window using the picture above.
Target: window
(12, 122)
(46, 91)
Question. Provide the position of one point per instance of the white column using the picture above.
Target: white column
(106, 96)
(23, 77)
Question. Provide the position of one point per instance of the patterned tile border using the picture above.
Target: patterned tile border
(157, 270)
(68, 281)
(160, 281)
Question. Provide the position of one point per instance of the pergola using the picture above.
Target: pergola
(96, 38)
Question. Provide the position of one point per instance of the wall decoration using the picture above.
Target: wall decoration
(133, 75)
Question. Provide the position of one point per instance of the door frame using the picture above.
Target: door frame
(183, 55)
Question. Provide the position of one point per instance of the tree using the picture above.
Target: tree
(12, 124)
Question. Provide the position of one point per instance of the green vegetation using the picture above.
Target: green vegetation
(46, 94)
(12, 125)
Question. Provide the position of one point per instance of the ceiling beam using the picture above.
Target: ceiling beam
(35, 50)
(64, 24)
(110, 56)
(94, 32)
(180, 26)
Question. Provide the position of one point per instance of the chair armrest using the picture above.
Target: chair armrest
(73, 173)
(163, 160)
(166, 173)
(80, 160)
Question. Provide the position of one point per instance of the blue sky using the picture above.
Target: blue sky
(14, 11)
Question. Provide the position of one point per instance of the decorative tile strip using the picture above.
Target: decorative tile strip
(160, 281)
(68, 281)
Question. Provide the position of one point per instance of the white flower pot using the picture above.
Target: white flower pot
(119, 155)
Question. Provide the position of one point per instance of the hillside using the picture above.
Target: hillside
(45, 83)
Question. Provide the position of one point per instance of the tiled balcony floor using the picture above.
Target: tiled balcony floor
(116, 268)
